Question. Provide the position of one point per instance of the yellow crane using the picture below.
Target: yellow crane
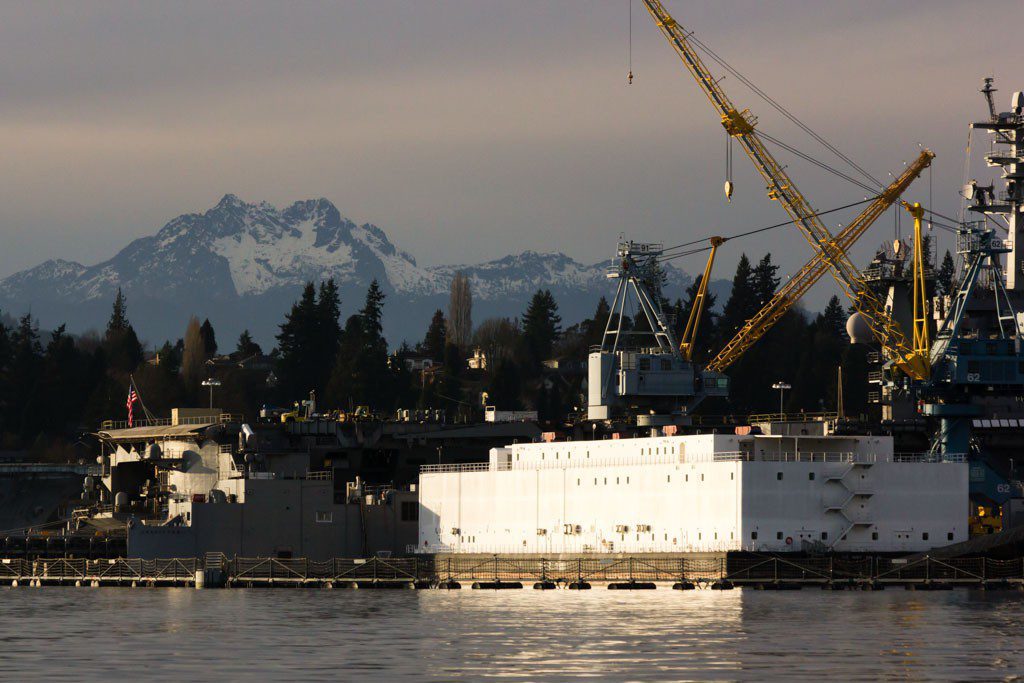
(740, 125)
(789, 294)
(689, 337)
(922, 345)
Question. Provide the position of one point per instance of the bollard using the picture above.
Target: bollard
(200, 579)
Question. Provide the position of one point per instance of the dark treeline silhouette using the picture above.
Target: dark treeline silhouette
(54, 387)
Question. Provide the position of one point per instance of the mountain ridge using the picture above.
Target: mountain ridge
(242, 265)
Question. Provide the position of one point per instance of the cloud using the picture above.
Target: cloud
(466, 129)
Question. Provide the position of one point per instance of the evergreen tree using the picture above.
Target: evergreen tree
(123, 350)
(7, 393)
(246, 346)
(209, 339)
(362, 374)
(541, 328)
(741, 304)
(329, 320)
(593, 328)
(26, 366)
(764, 280)
(436, 337)
(299, 368)
(946, 276)
(119, 316)
(833, 318)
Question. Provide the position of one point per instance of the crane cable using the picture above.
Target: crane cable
(747, 233)
(782, 110)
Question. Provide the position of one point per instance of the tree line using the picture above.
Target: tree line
(57, 386)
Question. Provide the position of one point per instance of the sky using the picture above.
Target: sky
(471, 129)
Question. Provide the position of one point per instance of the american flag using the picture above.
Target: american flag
(132, 398)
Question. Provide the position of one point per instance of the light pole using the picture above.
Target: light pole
(211, 383)
(781, 386)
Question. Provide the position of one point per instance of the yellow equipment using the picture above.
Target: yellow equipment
(789, 294)
(985, 521)
(922, 346)
(689, 337)
(780, 187)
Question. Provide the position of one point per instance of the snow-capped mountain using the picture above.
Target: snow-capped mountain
(242, 265)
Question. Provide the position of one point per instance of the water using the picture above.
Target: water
(301, 634)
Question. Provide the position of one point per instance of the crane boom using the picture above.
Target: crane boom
(689, 337)
(740, 125)
(788, 295)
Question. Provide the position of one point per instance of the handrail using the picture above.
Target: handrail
(721, 456)
(169, 422)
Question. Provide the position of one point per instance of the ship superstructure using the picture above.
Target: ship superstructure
(787, 492)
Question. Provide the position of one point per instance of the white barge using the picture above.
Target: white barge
(697, 493)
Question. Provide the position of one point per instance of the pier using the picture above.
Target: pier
(618, 573)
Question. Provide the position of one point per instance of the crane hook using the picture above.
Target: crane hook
(629, 78)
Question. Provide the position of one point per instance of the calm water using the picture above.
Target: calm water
(227, 635)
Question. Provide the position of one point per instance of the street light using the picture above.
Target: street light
(781, 386)
(211, 383)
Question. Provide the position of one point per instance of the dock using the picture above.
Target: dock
(620, 573)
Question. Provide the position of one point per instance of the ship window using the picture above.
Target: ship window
(666, 364)
(702, 477)
(753, 535)
(645, 363)
(810, 475)
(577, 482)
(627, 480)
(595, 481)
(778, 475)
(731, 535)
(668, 479)
(949, 536)
(324, 517)
(716, 535)
(606, 481)
(874, 535)
(824, 535)
(924, 536)
(616, 480)
(699, 535)
(687, 477)
(732, 476)
(778, 535)
(410, 511)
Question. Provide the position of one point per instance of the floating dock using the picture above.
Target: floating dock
(626, 573)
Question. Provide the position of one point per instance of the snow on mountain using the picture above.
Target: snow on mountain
(242, 264)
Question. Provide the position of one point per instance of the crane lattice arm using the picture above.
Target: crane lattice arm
(693, 322)
(740, 125)
(806, 277)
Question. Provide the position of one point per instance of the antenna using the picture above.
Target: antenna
(987, 90)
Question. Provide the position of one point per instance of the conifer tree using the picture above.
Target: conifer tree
(246, 346)
(300, 370)
(123, 350)
(946, 275)
(541, 328)
(742, 302)
(209, 338)
(436, 337)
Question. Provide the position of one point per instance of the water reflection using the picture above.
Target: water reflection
(183, 634)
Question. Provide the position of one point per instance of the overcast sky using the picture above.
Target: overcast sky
(468, 129)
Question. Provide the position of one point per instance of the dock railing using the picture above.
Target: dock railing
(753, 570)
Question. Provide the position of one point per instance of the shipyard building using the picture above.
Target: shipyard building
(698, 493)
